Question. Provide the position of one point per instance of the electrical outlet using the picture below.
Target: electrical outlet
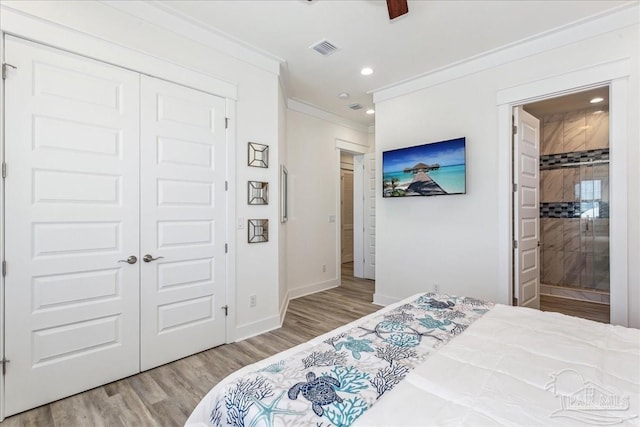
(252, 301)
(324, 268)
(436, 288)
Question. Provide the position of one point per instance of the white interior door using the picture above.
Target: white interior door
(71, 214)
(370, 216)
(526, 209)
(183, 221)
(346, 214)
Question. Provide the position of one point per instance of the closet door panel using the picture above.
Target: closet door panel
(72, 192)
(183, 211)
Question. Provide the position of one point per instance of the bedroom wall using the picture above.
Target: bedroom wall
(255, 118)
(452, 241)
(313, 163)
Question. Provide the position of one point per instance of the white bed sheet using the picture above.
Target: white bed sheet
(513, 367)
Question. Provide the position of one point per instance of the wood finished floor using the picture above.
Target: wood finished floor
(584, 309)
(165, 396)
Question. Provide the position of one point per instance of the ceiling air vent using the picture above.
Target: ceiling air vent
(355, 106)
(324, 47)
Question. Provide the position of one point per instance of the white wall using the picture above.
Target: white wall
(453, 240)
(313, 162)
(139, 28)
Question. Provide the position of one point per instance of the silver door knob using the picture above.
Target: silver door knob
(149, 258)
(131, 260)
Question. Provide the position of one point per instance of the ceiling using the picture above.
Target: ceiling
(572, 102)
(432, 35)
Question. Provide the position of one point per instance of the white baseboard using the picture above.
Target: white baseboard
(384, 300)
(252, 329)
(312, 289)
(249, 330)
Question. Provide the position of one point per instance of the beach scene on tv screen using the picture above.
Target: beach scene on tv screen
(425, 170)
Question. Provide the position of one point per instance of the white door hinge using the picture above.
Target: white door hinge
(515, 129)
(4, 268)
(4, 170)
(5, 66)
(226, 248)
(226, 310)
(515, 244)
(226, 186)
(515, 187)
(226, 122)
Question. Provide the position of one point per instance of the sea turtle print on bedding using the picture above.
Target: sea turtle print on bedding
(341, 377)
(319, 391)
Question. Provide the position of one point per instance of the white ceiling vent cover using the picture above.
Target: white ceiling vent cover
(324, 47)
(355, 106)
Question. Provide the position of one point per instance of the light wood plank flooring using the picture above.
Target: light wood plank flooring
(165, 396)
(584, 309)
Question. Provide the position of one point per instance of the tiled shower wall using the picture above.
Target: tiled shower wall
(575, 237)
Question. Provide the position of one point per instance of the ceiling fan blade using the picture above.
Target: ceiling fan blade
(397, 8)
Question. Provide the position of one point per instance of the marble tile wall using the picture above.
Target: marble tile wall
(575, 131)
(574, 248)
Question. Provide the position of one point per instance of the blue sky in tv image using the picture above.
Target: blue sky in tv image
(424, 170)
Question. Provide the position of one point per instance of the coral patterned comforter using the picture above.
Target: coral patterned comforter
(334, 379)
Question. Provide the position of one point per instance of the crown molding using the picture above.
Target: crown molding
(595, 25)
(179, 23)
(317, 112)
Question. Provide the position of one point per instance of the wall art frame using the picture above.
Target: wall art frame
(257, 193)
(258, 155)
(258, 230)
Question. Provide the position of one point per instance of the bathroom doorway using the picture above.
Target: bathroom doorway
(574, 256)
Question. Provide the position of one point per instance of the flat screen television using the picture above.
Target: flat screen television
(433, 169)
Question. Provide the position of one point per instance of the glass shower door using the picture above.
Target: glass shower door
(594, 224)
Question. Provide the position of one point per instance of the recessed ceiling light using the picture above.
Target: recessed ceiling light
(370, 111)
(366, 71)
(343, 95)
(596, 100)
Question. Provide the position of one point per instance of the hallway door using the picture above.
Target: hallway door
(346, 215)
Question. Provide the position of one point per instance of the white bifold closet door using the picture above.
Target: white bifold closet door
(80, 202)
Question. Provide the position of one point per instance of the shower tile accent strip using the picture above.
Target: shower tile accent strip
(568, 210)
(555, 161)
(560, 210)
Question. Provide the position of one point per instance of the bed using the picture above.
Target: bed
(440, 360)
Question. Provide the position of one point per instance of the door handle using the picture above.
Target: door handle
(131, 260)
(149, 258)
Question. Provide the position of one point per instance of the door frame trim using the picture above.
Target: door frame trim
(615, 74)
(2, 250)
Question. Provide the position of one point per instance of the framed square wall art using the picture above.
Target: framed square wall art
(258, 230)
(258, 155)
(258, 193)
